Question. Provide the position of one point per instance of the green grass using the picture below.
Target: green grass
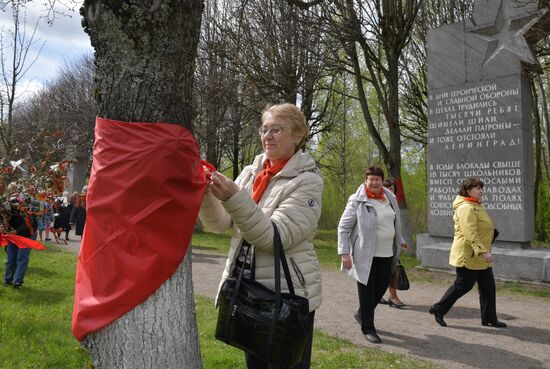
(211, 242)
(35, 321)
(35, 327)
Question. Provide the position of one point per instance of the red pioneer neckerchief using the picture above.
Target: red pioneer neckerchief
(372, 195)
(471, 199)
(262, 178)
(143, 198)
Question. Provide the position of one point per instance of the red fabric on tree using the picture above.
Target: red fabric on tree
(400, 193)
(21, 242)
(143, 198)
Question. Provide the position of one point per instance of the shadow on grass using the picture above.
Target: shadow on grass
(41, 272)
(29, 295)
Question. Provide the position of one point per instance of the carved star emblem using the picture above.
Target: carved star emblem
(508, 35)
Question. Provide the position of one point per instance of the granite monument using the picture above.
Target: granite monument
(479, 125)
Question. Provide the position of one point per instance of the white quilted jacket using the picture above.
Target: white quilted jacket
(293, 201)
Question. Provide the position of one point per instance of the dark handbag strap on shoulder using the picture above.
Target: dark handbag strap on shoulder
(279, 254)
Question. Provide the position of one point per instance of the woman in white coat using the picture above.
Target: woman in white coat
(283, 186)
(369, 236)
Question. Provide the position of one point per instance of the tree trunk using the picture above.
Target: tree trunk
(546, 117)
(538, 142)
(159, 333)
(144, 56)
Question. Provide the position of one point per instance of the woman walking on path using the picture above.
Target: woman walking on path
(369, 236)
(471, 255)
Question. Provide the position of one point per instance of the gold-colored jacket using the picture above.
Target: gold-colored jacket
(473, 235)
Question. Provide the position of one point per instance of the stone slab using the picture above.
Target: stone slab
(445, 64)
(481, 130)
(531, 265)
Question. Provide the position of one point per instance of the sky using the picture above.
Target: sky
(64, 41)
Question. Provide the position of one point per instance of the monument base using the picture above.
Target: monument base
(517, 263)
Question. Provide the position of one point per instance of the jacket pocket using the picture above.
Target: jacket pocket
(353, 244)
(299, 275)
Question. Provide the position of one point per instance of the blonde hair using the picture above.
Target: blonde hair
(294, 116)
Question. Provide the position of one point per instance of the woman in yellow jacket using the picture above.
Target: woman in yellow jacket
(471, 255)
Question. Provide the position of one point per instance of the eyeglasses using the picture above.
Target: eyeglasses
(275, 130)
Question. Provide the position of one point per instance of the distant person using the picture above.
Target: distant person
(471, 255)
(14, 221)
(62, 218)
(78, 214)
(393, 300)
(46, 217)
(369, 237)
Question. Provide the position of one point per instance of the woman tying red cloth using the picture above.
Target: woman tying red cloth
(282, 186)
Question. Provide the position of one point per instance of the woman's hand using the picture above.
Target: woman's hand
(404, 245)
(346, 261)
(222, 187)
(208, 174)
(487, 256)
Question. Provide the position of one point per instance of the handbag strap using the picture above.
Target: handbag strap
(278, 245)
(277, 250)
(236, 291)
(278, 258)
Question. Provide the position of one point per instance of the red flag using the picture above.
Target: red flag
(143, 199)
(21, 242)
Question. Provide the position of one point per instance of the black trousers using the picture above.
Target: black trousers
(253, 362)
(464, 282)
(370, 295)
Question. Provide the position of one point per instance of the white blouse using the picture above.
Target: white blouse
(385, 228)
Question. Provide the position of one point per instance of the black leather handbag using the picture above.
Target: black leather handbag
(268, 324)
(402, 280)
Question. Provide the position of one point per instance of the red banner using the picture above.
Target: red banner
(20, 241)
(143, 199)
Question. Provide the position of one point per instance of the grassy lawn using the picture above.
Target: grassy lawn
(35, 321)
(35, 326)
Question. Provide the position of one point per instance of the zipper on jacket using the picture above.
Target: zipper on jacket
(299, 274)
(368, 209)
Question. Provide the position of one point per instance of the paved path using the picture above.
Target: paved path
(463, 344)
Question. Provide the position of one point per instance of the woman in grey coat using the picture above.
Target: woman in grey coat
(369, 236)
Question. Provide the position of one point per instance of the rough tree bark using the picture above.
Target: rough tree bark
(144, 55)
